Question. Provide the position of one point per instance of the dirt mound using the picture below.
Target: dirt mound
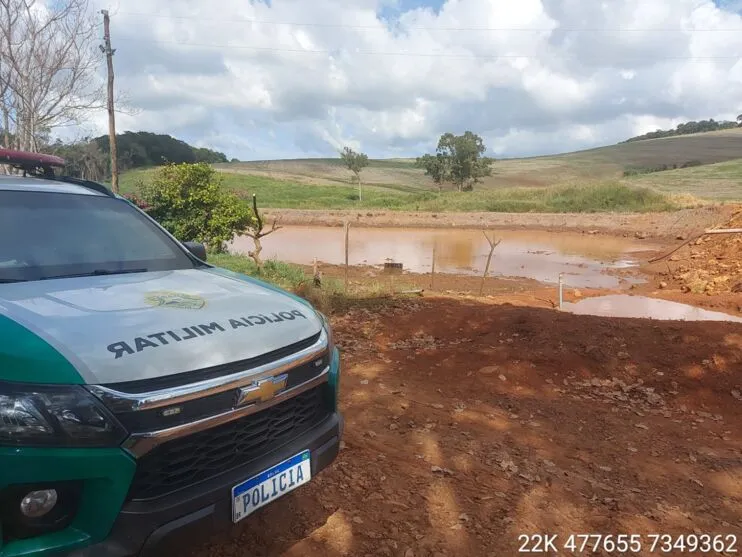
(715, 263)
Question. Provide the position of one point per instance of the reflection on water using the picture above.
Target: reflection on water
(641, 306)
(531, 254)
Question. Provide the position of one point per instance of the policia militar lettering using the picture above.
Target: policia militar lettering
(153, 340)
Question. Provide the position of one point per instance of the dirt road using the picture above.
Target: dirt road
(470, 423)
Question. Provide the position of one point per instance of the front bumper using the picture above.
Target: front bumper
(106, 525)
(143, 529)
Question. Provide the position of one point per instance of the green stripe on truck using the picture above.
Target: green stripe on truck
(26, 357)
(105, 474)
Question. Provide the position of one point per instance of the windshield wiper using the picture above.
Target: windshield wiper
(97, 272)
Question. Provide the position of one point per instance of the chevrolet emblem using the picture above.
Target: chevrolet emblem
(262, 391)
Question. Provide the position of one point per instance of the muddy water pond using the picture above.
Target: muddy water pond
(641, 306)
(585, 260)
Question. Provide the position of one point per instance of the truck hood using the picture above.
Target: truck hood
(145, 325)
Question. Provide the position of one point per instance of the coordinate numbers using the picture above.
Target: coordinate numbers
(628, 543)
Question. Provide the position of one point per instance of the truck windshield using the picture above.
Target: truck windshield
(55, 235)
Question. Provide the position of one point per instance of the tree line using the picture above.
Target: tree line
(90, 157)
(687, 128)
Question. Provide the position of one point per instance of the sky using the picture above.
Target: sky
(278, 79)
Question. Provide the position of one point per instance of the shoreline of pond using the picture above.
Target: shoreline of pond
(659, 226)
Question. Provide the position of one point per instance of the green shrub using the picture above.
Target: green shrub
(189, 201)
(607, 198)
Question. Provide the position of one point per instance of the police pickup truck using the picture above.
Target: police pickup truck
(143, 391)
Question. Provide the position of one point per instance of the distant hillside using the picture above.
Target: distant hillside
(689, 128)
(612, 162)
(622, 177)
(139, 149)
(90, 158)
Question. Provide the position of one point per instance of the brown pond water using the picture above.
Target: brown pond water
(585, 260)
(622, 305)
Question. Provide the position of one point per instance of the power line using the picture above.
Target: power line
(340, 51)
(428, 28)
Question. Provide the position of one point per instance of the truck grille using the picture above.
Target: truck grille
(184, 462)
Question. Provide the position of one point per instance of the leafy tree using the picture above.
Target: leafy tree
(189, 201)
(437, 167)
(355, 162)
(459, 159)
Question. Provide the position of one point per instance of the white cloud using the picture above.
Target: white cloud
(294, 78)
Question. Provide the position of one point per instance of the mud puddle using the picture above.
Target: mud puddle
(585, 260)
(621, 305)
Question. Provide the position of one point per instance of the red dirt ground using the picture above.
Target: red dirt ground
(710, 265)
(529, 292)
(470, 423)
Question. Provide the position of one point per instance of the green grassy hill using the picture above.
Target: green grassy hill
(602, 163)
(527, 184)
(719, 182)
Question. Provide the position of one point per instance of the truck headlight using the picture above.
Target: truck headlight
(327, 327)
(55, 415)
(334, 378)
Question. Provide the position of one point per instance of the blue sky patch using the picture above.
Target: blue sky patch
(393, 9)
(730, 5)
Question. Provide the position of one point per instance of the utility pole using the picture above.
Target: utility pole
(108, 51)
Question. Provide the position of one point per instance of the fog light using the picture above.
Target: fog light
(38, 503)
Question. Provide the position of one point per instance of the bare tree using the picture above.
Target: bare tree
(4, 106)
(493, 244)
(256, 232)
(48, 62)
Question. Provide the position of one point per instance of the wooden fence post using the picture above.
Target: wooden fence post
(347, 228)
(432, 270)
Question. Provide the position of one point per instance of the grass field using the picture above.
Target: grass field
(721, 181)
(584, 181)
(608, 196)
(603, 163)
(331, 297)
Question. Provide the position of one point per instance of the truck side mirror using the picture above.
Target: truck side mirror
(197, 249)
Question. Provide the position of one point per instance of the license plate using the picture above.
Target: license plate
(269, 485)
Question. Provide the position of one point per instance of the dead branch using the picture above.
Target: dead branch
(668, 254)
(551, 302)
(694, 238)
(260, 223)
(256, 232)
(493, 244)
